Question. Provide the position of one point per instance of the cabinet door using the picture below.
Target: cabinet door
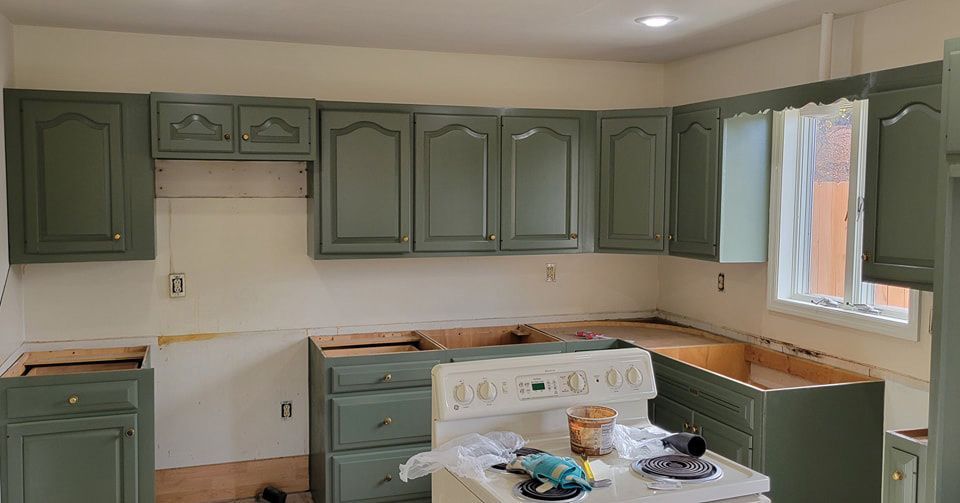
(540, 183)
(693, 212)
(365, 176)
(670, 415)
(903, 159)
(277, 129)
(901, 468)
(725, 440)
(192, 128)
(952, 103)
(73, 183)
(458, 183)
(633, 170)
(91, 459)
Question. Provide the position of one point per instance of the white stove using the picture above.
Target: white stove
(529, 396)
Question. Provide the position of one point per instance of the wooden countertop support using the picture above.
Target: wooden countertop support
(75, 361)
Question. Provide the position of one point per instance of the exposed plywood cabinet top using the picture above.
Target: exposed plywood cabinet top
(77, 361)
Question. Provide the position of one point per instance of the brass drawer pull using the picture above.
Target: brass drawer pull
(573, 235)
(245, 136)
(686, 426)
(116, 237)
(73, 400)
(388, 478)
(388, 378)
(404, 238)
(897, 475)
(131, 432)
(492, 237)
(387, 421)
(657, 237)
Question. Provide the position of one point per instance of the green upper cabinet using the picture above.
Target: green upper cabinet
(633, 172)
(366, 182)
(92, 459)
(903, 158)
(457, 183)
(952, 97)
(192, 126)
(540, 188)
(694, 184)
(80, 177)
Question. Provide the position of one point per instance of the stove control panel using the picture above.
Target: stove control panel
(533, 383)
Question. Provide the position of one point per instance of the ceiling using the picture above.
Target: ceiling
(580, 29)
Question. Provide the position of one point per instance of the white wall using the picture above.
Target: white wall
(11, 316)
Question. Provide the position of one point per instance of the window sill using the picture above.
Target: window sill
(906, 330)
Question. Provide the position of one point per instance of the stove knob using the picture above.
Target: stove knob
(577, 382)
(614, 378)
(463, 393)
(487, 391)
(634, 376)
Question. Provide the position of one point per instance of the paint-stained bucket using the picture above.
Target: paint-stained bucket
(591, 429)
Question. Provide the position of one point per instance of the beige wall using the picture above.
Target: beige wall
(11, 316)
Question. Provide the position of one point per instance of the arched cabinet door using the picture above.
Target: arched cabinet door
(695, 166)
(79, 177)
(457, 183)
(185, 127)
(540, 187)
(903, 158)
(366, 182)
(633, 172)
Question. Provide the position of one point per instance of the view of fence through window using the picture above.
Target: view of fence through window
(826, 272)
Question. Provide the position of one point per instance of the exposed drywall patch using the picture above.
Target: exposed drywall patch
(182, 178)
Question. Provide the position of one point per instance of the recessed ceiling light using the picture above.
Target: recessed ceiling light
(655, 21)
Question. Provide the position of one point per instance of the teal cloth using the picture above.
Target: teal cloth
(564, 473)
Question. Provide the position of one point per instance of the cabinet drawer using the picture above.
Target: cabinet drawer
(66, 399)
(720, 403)
(381, 376)
(380, 419)
(374, 476)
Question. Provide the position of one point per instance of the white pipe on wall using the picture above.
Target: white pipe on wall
(826, 44)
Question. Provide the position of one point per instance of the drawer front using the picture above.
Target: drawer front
(380, 419)
(276, 129)
(901, 473)
(718, 402)
(381, 376)
(194, 128)
(67, 399)
(374, 476)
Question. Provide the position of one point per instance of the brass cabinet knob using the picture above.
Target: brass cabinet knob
(245, 136)
(686, 426)
(897, 475)
(573, 235)
(388, 378)
(865, 257)
(669, 237)
(404, 238)
(658, 237)
(492, 237)
(73, 400)
(116, 237)
(387, 421)
(388, 478)
(226, 136)
(131, 432)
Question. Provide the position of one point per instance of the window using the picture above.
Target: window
(817, 224)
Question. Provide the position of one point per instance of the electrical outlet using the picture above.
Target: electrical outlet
(177, 286)
(286, 410)
(721, 282)
(551, 273)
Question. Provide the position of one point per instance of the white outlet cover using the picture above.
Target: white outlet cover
(177, 285)
(551, 273)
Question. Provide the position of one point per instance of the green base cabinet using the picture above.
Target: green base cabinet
(197, 126)
(816, 443)
(99, 450)
(905, 467)
(80, 181)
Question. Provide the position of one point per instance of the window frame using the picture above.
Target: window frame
(787, 222)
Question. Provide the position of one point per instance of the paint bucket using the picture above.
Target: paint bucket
(591, 429)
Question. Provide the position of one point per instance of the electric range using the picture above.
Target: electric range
(529, 396)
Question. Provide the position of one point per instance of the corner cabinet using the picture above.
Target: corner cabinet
(80, 181)
(366, 182)
(193, 126)
(905, 466)
(903, 158)
(457, 183)
(633, 183)
(694, 182)
(540, 188)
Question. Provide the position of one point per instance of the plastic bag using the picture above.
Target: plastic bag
(639, 443)
(466, 456)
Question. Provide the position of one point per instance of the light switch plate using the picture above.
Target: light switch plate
(177, 285)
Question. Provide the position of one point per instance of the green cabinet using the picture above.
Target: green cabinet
(725, 440)
(80, 181)
(193, 126)
(951, 95)
(374, 476)
(905, 466)
(540, 188)
(366, 182)
(92, 459)
(457, 183)
(633, 173)
(694, 183)
(903, 145)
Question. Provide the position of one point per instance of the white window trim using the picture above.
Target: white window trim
(782, 250)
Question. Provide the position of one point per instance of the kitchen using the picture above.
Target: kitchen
(229, 352)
